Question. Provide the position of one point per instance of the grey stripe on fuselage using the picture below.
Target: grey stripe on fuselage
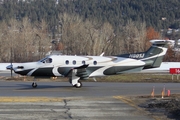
(121, 69)
(24, 72)
(43, 72)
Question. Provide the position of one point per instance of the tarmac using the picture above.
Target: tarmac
(71, 108)
(53, 100)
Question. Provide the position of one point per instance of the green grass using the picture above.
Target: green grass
(139, 77)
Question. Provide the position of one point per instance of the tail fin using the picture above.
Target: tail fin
(153, 56)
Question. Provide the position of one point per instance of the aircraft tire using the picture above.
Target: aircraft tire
(78, 85)
(34, 85)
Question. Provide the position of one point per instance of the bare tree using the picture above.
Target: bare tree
(77, 36)
(85, 37)
(106, 36)
(23, 41)
(133, 36)
(4, 42)
(41, 40)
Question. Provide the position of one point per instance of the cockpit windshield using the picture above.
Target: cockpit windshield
(46, 60)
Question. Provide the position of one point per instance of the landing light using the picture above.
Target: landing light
(20, 67)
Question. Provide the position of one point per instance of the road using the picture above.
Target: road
(59, 100)
(64, 89)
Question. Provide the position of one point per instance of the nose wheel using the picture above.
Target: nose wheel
(34, 84)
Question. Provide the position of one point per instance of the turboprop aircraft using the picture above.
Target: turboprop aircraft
(78, 68)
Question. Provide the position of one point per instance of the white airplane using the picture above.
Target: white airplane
(82, 67)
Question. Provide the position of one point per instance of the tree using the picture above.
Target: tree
(150, 35)
(28, 41)
(91, 37)
(133, 36)
(170, 56)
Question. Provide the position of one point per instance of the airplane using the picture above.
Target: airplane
(78, 68)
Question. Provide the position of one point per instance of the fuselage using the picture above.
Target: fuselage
(60, 65)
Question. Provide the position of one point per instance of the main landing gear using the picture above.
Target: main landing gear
(78, 84)
(74, 80)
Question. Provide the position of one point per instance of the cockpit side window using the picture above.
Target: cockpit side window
(47, 60)
(42, 60)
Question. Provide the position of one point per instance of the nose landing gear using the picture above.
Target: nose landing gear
(34, 84)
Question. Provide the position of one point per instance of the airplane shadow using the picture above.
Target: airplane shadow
(29, 87)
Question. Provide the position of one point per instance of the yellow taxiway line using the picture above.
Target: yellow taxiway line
(132, 103)
(126, 100)
(30, 99)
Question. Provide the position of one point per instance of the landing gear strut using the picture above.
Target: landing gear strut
(34, 84)
(74, 80)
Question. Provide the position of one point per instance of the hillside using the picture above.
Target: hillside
(160, 14)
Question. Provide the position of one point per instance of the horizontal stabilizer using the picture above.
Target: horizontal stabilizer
(131, 70)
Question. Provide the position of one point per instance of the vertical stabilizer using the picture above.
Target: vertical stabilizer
(153, 56)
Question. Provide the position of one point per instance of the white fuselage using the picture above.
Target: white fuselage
(97, 65)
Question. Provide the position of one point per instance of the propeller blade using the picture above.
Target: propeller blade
(11, 62)
(11, 69)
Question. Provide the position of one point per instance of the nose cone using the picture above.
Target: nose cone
(24, 68)
(9, 67)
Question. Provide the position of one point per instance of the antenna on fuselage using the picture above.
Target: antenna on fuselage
(94, 79)
(102, 54)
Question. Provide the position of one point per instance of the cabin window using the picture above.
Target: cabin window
(83, 62)
(74, 62)
(67, 62)
(95, 62)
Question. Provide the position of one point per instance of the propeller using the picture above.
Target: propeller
(11, 69)
(11, 64)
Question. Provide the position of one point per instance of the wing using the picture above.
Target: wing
(78, 72)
